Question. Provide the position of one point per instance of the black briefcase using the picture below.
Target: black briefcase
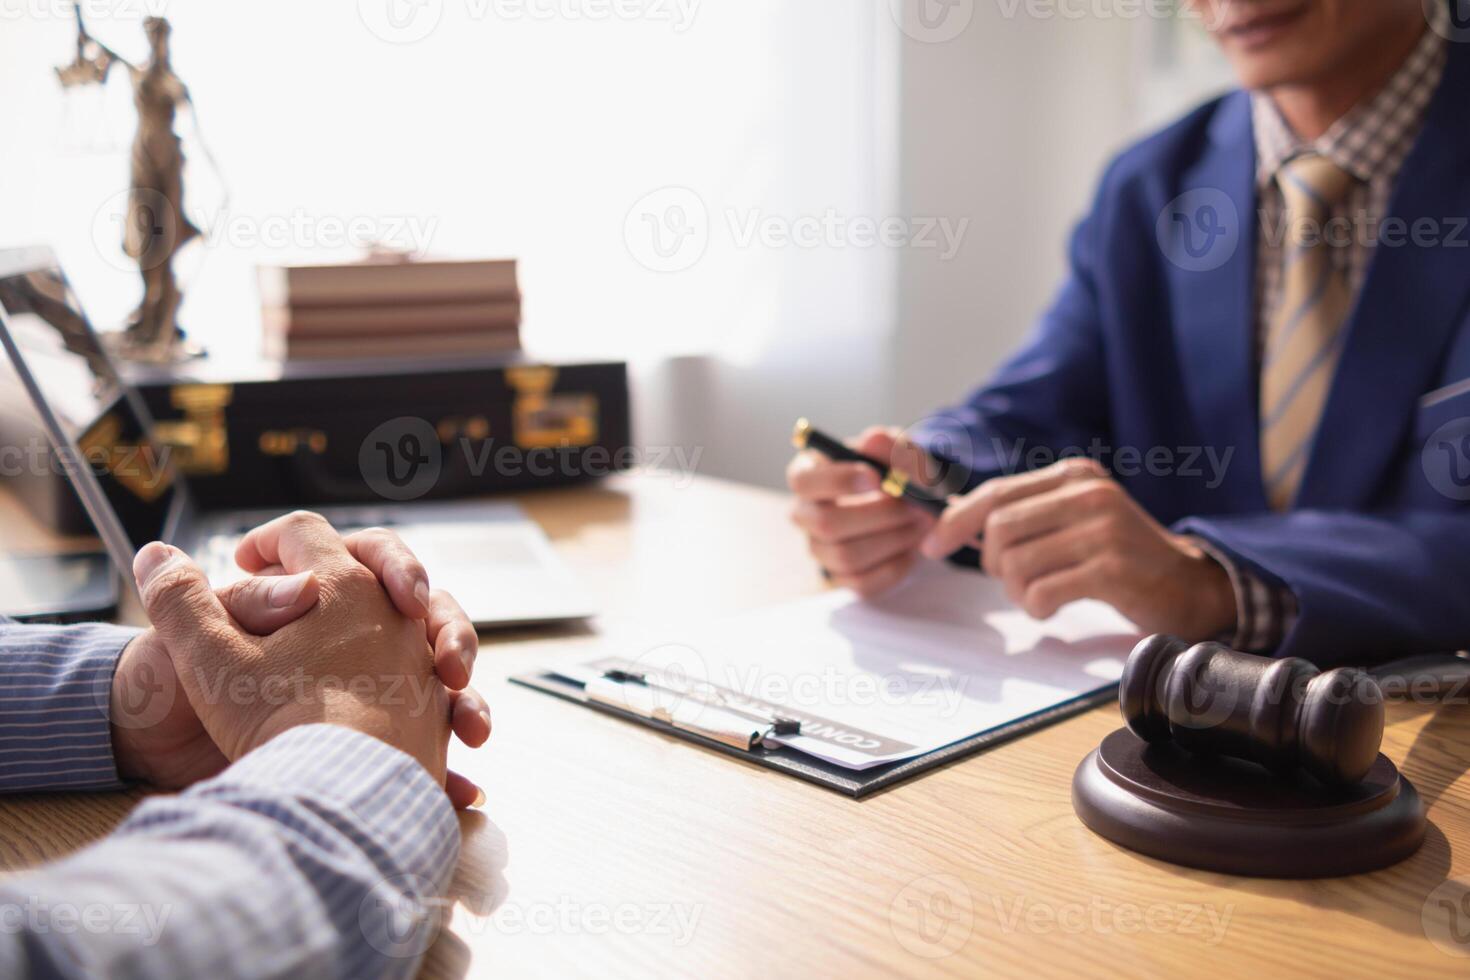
(320, 433)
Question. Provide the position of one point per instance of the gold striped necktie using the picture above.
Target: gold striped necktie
(1305, 334)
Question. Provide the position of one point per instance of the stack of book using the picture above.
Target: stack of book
(390, 309)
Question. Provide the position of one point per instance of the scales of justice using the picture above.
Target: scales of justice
(155, 225)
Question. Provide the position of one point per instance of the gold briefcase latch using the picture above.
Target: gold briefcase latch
(200, 444)
(543, 419)
(287, 442)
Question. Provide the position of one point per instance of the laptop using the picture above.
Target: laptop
(489, 555)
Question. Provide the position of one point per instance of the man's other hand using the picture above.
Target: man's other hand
(1068, 532)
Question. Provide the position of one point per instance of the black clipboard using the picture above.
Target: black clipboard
(853, 783)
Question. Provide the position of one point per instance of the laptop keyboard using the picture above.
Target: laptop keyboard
(217, 558)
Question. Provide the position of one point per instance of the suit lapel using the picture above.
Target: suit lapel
(1213, 308)
(1410, 302)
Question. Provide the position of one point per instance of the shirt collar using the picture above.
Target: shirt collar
(1372, 140)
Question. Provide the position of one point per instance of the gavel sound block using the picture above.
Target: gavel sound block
(1248, 765)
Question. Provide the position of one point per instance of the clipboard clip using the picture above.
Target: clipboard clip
(721, 722)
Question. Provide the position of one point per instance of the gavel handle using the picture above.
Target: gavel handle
(1433, 675)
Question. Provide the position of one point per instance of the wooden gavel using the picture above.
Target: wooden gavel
(1284, 714)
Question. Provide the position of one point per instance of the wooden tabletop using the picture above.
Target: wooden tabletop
(612, 850)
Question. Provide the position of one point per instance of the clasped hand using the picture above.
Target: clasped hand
(329, 629)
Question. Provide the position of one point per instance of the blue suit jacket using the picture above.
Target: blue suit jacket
(1150, 345)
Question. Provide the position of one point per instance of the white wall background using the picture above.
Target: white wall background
(539, 128)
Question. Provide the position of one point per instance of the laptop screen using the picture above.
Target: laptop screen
(81, 387)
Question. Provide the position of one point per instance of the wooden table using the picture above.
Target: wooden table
(606, 849)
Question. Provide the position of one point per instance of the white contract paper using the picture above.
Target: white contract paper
(943, 657)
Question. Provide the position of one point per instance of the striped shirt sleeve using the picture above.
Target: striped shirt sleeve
(320, 854)
(55, 704)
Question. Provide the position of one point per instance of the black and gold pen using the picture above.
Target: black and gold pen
(893, 481)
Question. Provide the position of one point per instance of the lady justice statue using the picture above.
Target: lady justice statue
(155, 228)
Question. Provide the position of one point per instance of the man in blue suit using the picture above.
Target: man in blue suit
(1247, 412)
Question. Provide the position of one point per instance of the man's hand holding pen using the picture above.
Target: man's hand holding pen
(866, 539)
(1051, 536)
